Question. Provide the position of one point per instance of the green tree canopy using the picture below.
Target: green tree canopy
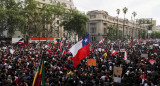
(11, 13)
(75, 21)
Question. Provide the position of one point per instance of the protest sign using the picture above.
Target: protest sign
(122, 50)
(99, 49)
(11, 51)
(117, 79)
(144, 55)
(155, 44)
(117, 71)
(152, 61)
(91, 62)
(150, 47)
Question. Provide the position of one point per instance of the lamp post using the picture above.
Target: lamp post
(125, 9)
(117, 31)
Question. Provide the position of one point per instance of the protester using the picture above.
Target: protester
(18, 64)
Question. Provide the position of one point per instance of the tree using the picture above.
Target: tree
(134, 15)
(143, 34)
(155, 35)
(33, 21)
(3, 17)
(118, 12)
(140, 30)
(125, 9)
(58, 11)
(76, 22)
(111, 35)
(12, 20)
(47, 18)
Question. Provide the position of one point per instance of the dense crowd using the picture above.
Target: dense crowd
(18, 69)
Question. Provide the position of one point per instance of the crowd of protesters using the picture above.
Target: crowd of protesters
(18, 68)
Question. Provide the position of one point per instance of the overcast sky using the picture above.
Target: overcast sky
(143, 8)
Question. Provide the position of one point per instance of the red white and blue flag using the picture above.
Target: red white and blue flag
(19, 41)
(125, 56)
(80, 50)
(60, 44)
(114, 52)
(101, 41)
(64, 52)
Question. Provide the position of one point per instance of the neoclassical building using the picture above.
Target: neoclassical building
(99, 20)
(58, 31)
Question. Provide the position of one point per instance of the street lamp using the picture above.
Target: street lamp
(118, 12)
(125, 9)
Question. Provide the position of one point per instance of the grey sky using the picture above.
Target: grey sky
(143, 8)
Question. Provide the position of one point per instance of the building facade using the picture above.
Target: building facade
(67, 3)
(57, 30)
(157, 28)
(100, 20)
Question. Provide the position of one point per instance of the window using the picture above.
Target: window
(93, 38)
(105, 30)
(57, 35)
(92, 16)
(92, 24)
(64, 4)
(70, 6)
(93, 30)
(64, 35)
(57, 21)
(57, 32)
(104, 24)
(51, 28)
(57, 27)
(50, 1)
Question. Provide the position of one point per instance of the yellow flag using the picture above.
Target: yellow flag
(105, 54)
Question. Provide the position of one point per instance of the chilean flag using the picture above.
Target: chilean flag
(21, 41)
(101, 41)
(132, 39)
(80, 50)
(125, 56)
(64, 52)
(91, 49)
(67, 45)
(114, 52)
(60, 45)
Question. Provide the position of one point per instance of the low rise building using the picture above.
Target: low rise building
(100, 20)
